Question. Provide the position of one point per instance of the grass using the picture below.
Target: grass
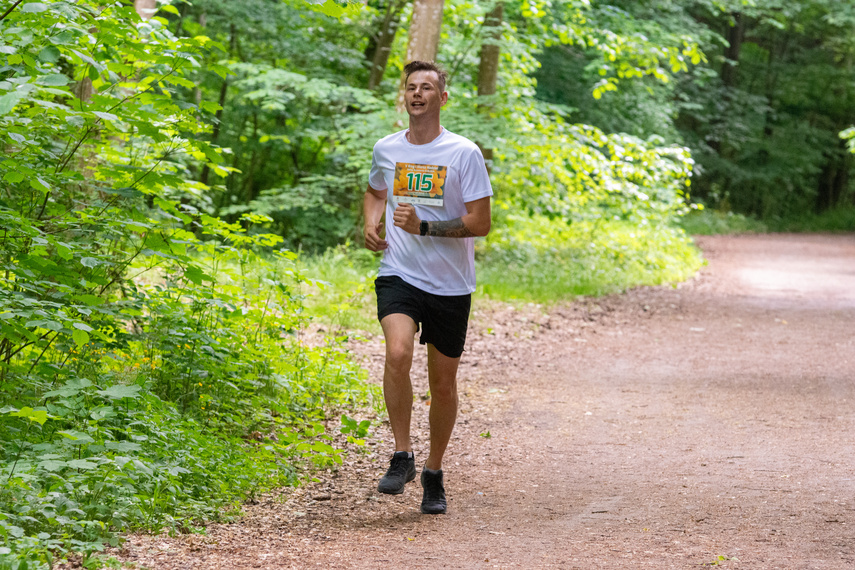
(544, 261)
(539, 261)
(713, 222)
(342, 294)
(838, 220)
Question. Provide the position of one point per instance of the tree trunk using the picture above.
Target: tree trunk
(488, 69)
(383, 42)
(834, 178)
(735, 35)
(145, 8)
(424, 37)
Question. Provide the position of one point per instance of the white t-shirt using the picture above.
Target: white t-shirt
(439, 178)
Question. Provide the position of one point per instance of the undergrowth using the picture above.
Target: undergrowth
(840, 219)
(188, 395)
(342, 291)
(713, 222)
(542, 260)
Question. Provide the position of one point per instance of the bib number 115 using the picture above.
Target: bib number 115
(420, 181)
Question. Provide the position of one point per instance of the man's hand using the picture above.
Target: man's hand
(406, 219)
(373, 241)
(373, 206)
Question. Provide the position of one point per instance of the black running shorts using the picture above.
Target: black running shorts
(443, 319)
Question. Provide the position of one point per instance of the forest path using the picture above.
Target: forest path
(663, 428)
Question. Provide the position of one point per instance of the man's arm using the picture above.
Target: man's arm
(373, 206)
(475, 223)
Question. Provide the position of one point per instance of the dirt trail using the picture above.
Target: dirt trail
(664, 428)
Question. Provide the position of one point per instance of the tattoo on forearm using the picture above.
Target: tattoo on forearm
(452, 228)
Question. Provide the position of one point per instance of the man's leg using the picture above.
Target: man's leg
(399, 330)
(442, 376)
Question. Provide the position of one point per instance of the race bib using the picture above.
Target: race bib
(419, 183)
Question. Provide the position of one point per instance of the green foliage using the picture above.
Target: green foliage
(841, 219)
(713, 222)
(762, 129)
(583, 212)
(354, 429)
(153, 370)
(295, 126)
(542, 260)
(314, 200)
(767, 136)
(343, 292)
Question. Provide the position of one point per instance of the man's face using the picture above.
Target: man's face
(423, 97)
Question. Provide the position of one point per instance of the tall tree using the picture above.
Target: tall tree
(381, 42)
(488, 68)
(424, 37)
(735, 35)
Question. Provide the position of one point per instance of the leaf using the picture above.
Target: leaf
(123, 446)
(82, 327)
(49, 54)
(120, 391)
(13, 176)
(80, 337)
(78, 437)
(8, 101)
(40, 416)
(54, 79)
(39, 184)
(106, 116)
(82, 464)
(45, 324)
(33, 8)
(196, 275)
(89, 262)
(71, 388)
(90, 300)
(52, 464)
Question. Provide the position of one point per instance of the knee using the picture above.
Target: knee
(444, 391)
(399, 355)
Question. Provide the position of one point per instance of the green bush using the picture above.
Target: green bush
(543, 260)
(153, 366)
(581, 212)
(714, 222)
(841, 219)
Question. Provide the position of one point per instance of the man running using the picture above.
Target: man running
(439, 202)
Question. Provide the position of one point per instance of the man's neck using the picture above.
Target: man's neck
(423, 132)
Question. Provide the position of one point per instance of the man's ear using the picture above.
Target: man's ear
(444, 98)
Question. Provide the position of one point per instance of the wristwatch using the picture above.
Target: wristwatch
(423, 228)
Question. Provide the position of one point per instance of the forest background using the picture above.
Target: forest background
(181, 195)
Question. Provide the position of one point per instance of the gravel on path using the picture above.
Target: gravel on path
(670, 427)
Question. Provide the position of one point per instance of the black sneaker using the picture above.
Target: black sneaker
(433, 500)
(402, 470)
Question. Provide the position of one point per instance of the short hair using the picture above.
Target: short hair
(414, 66)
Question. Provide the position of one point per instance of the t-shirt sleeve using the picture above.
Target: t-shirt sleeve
(376, 178)
(474, 178)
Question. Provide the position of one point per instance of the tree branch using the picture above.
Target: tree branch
(9, 11)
